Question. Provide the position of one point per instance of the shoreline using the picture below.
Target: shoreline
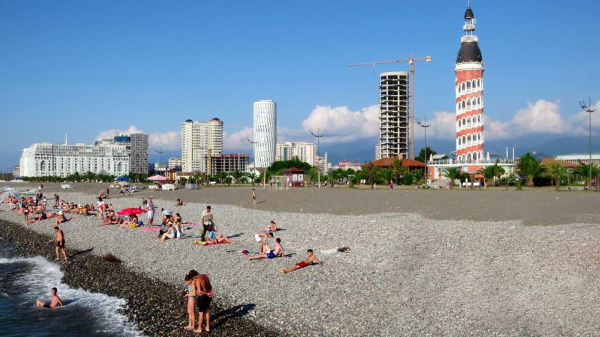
(413, 274)
(155, 310)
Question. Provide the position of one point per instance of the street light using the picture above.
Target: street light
(318, 135)
(588, 108)
(425, 126)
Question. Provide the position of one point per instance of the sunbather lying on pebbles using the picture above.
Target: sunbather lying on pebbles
(340, 250)
(219, 239)
(310, 260)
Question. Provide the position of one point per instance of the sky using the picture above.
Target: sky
(94, 69)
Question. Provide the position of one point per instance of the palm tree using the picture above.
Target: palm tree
(584, 171)
(387, 175)
(237, 175)
(491, 172)
(556, 171)
(371, 173)
(530, 167)
(452, 173)
(397, 169)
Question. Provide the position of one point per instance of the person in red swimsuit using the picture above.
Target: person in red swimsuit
(312, 259)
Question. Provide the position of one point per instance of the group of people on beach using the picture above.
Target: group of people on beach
(199, 291)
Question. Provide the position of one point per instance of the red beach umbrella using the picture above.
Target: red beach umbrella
(131, 211)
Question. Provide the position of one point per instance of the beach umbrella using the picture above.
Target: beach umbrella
(131, 211)
(122, 178)
(157, 178)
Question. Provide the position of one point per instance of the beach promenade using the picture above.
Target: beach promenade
(452, 263)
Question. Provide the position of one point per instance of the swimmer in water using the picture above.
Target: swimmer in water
(55, 301)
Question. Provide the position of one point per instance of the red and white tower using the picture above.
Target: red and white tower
(469, 95)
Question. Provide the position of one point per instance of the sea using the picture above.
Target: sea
(24, 280)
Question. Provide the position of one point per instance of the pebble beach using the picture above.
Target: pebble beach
(409, 273)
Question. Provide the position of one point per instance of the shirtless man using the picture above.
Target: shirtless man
(311, 260)
(55, 301)
(205, 293)
(277, 252)
(60, 218)
(60, 244)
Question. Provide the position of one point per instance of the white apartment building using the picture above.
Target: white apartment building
(174, 163)
(394, 128)
(200, 141)
(265, 133)
(137, 144)
(45, 159)
(304, 151)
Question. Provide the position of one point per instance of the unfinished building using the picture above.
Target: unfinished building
(394, 127)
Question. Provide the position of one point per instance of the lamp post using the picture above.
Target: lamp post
(318, 135)
(425, 126)
(588, 108)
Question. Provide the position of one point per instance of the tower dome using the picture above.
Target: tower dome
(469, 52)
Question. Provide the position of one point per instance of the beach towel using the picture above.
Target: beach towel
(149, 229)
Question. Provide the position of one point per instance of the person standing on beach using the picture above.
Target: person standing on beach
(204, 292)
(253, 197)
(60, 244)
(151, 208)
(55, 301)
(207, 222)
(191, 302)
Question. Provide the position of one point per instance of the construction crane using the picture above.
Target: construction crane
(412, 61)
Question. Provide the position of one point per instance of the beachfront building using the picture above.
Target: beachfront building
(577, 158)
(199, 142)
(393, 117)
(303, 151)
(46, 159)
(469, 155)
(265, 133)
(16, 171)
(469, 95)
(229, 163)
(137, 143)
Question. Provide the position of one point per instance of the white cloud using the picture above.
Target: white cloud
(108, 134)
(169, 140)
(238, 139)
(340, 124)
(441, 127)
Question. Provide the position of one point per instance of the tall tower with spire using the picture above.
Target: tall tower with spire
(469, 95)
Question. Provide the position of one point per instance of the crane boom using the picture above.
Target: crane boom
(412, 61)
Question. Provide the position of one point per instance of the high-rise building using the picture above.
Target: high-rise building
(45, 159)
(265, 133)
(199, 142)
(469, 95)
(394, 128)
(139, 153)
(304, 151)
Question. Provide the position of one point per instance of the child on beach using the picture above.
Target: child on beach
(191, 302)
(253, 197)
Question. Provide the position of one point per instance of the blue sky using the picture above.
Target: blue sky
(82, 67)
